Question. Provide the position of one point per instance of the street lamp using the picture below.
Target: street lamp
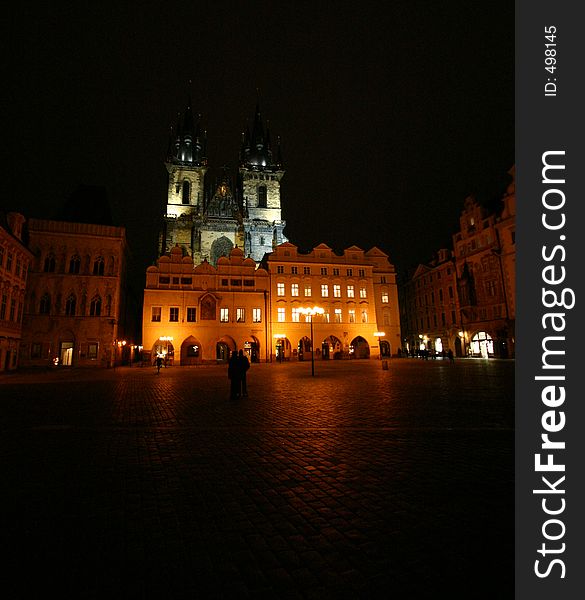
(311, 312)
(379, 335)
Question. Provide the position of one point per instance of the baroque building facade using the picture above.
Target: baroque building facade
(477, 317)
(74, 307)
(15, 261)
(201, 313)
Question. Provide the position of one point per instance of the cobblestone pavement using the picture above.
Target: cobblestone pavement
(359, 482)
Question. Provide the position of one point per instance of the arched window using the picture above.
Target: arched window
(75, 264)
(45, 305)
(49, 263)
(185, 196)
(98, 266)
(95, 308)
(262, 196)
(70, 305)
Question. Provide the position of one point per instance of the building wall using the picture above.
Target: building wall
(175, 283)
(335, 335)
(91, 329)
(431, 318)
(481, 269)
(15, 261)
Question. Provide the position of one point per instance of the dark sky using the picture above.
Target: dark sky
(390, 113)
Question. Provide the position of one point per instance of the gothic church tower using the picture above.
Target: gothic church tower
(261, 173)
(207, 226)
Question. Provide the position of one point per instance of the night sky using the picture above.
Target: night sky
(390, 114)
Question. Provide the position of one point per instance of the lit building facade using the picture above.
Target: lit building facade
(478, 320)
(430, 315)
(201, 313)
(15, 261)
(356, 290)
(74, 308)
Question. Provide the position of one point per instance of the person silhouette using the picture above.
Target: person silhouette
(234, 375)
(244, 365)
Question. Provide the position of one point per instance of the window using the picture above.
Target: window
(174, 314)
(337, 291)
(281, 315)
(240, 315)
(70, 306)
(350, 272)
(453, 319)
(92, 350)
(491, 288)
(294, 270)
(164, 280)
(98, 266)
(44, 307)
(362, 272)
(280, 269)
(262, 200)
(262, 241)
(3, 307)
(363, 293)
(441, 296)
(49, 266)
(325, 317)
(236, 282)
(306, 270)
(186, 280)
(294, 289)
(225, 282)
(323, 270)
(185, 196)
(443, 320)
(257, 315)
(191, 314)
(248, 282)
(351, 315)
(12, 309)
(308, 291)
(338, 315)
(385, 298)
(383, 279)
(35, 350)
(224, 315)
(75, 264)
(386, 319)
(335, 271)
(280, 289)
(364, 316)
(350, 291)
(18, 266)
(324, 290)
(450, 292)
(95, 308)
(155, 313)
(295, 315)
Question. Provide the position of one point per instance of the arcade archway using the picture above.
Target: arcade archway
(331, 347)
(359, 348)
(224, 348)
(191, 352)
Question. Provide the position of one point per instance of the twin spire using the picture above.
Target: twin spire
(188, 144)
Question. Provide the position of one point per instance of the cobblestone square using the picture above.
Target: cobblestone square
(359, 482)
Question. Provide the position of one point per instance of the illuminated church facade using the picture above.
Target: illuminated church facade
(208, 222)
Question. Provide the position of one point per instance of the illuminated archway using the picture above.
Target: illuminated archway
(164, 348)
(482, 345)
(191, 351)
(304, 348)
(359, 348)
(331, 347)
(224, 347)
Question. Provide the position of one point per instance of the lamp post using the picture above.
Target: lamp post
(379, 335)
(311, 312)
